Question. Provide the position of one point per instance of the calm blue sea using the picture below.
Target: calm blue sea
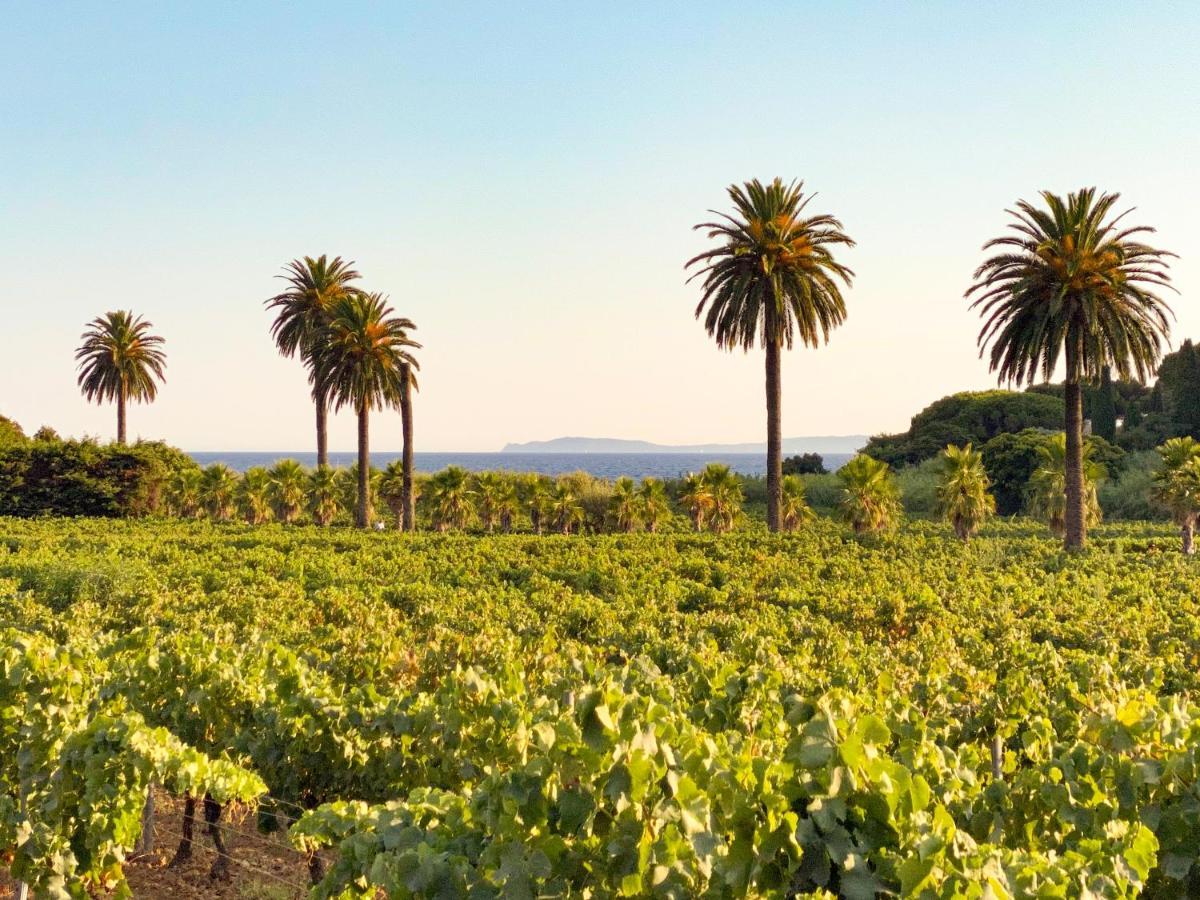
(603, 465)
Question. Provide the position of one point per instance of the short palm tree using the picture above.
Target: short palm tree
(303, 313)
(696, 498)
(491, 498)
(1177, 486)
(725, 490)
(121, 360)
(963, 496)
(289, 482)
(794, 509)
(773, 279)
(323, 499)
(185, 491)
(624, 506)
(254, 492)
(218, 490)
(391, 490)
(535, 493)
(653, 504)
(362, 363)
(450, 497)
(565, 507)
(870, 498)
(1047, 488)
(1071, 282)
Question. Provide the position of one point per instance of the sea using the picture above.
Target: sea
(602, 465)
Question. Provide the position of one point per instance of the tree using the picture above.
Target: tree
(255, 494)
(870, 498)
(304, 311)
(795, 509)
(536, 493)
(1179, 381)
(495, 500)
(624, 506)
(408, 496)
(218, 488)
(696, 498)
(1072, 283)
(653, 504)
(362, 363)
(391, 490)
(185, 491)
(1047, 492)
(805, 464)
(565, 507)
(1177, 486)
(450, 495)
(288, 482)
(1103, 407)
(121, 360)
(963, 497)
(11, 434)
(323, 500)
(773, 279)
(725, 490)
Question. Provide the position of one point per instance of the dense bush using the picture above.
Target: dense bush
(805, 464)
(973, 417)
(1128, 496)
(1010, 459)
(11, 433)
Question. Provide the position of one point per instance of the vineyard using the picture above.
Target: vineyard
(671, 715)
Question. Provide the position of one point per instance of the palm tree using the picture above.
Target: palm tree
(1047, 489)
(1071, 282)
(361, 363)
(323, 495)
(653, 503)
(962, 492)
(870, 498)
(725, 491)
(408, 499)
(773, 279)
(794, 508)
(450, 496)
(565, 506)
(120, 360)
(696, 498)
(288, 483)
(391, 490)
(255, 494)
(491, 493)
(535, 492)
(218, 488)
(305, 308)
(184, 491)
(1177, 486)
(624, 505)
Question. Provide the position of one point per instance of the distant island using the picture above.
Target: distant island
(838, 443)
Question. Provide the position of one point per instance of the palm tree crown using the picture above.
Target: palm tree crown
(120, 359)
(305, 307)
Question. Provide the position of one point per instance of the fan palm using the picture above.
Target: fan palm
(304, 311)
(1177, 486)
(450, 498)
(323, 500)
(391, 490)
(794, 509)
(218, 488)
(623, 504)
(362, 364)
(1047, 488)
(725, 491)
(1071, 282)
(535, 492)
(184, 491)
(120, 360)
(565, 507)
(962, 493)
(653, 503)
(492, 495)
(773, 279)
(288, 484)
(255, 495)
(696, 498)
(870, 498)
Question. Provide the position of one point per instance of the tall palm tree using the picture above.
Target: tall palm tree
(870, 498)
(773, 279)
(1071, 282)
(361, 364)
(408, 497)
(304, 311)
(962, 492)
(1047, 491)
(288, 484)
(1177, 486)
(120, 360)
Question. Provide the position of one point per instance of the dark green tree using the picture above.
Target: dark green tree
(1103, 407)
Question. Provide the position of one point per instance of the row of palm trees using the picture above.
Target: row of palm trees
(1070, 282)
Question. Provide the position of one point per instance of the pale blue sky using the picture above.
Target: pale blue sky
(521, 179)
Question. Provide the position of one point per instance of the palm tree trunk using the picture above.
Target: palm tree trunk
(322, 431)
(364, 468)
(406, 477)
(1189, 536)
(1075, 523)
(774, 437)
(121, 416)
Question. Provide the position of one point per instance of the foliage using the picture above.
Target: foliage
(794, 510)
(10, 433)
(1010, 460)
(1047, 492)
(119, 360)
(870, 497)
(1177, 485)
(963, 497)
(1179, 379)
(970, 417)
(805, 464)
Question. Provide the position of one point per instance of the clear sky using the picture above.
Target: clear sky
(522, 180)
